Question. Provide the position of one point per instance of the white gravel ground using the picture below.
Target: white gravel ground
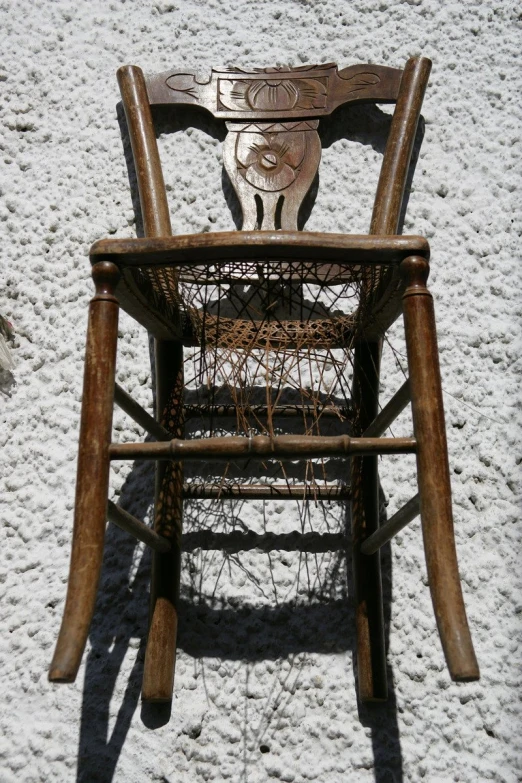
(264, 684)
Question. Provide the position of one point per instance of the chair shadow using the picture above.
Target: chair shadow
(252, 633)
(211, 628)
(369, 125)
(120, 618)
(382, 718)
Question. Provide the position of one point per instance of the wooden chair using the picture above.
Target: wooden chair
(169, 284)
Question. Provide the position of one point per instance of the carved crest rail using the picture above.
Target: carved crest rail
(272, 150)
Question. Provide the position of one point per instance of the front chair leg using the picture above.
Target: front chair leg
(433, 472)
(160, 656)
(92, 483)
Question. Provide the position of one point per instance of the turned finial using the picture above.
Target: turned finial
(105, 275)
(414, 271)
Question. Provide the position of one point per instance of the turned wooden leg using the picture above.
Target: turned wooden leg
(92, 483)
(160, 656)
(371, 652)
(433, 472)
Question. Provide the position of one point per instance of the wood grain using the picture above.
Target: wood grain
(92, 482)
(193, 249)
(433, 472)
(263, 447)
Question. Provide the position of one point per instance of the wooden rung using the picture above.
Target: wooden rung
(293, 447)
(238, 541)
(318, 411)
(139, 530)
(139, 414)
(389, 413)
(393, 526)
(265, 492)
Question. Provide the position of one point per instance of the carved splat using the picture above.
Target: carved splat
(276, 162)
(272, 150)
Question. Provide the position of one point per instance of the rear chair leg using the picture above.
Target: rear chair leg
(369, 618)
(160, 656)
(92, 483)
(433, 472)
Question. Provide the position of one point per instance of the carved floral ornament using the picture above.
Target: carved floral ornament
(312, 90)
(273, 94)
(270, 161)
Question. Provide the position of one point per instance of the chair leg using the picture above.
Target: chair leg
(433, 472)
(160, 656)
(92, 482)
(369, 618)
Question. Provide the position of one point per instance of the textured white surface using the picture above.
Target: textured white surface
(264, 683)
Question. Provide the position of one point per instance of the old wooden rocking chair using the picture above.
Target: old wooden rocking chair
(246, 297)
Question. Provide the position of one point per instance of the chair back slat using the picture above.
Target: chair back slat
(151, 186)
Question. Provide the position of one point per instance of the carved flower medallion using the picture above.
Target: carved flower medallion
(269, 95)
(270, 161)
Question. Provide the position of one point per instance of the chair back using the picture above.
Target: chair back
(272, 149)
